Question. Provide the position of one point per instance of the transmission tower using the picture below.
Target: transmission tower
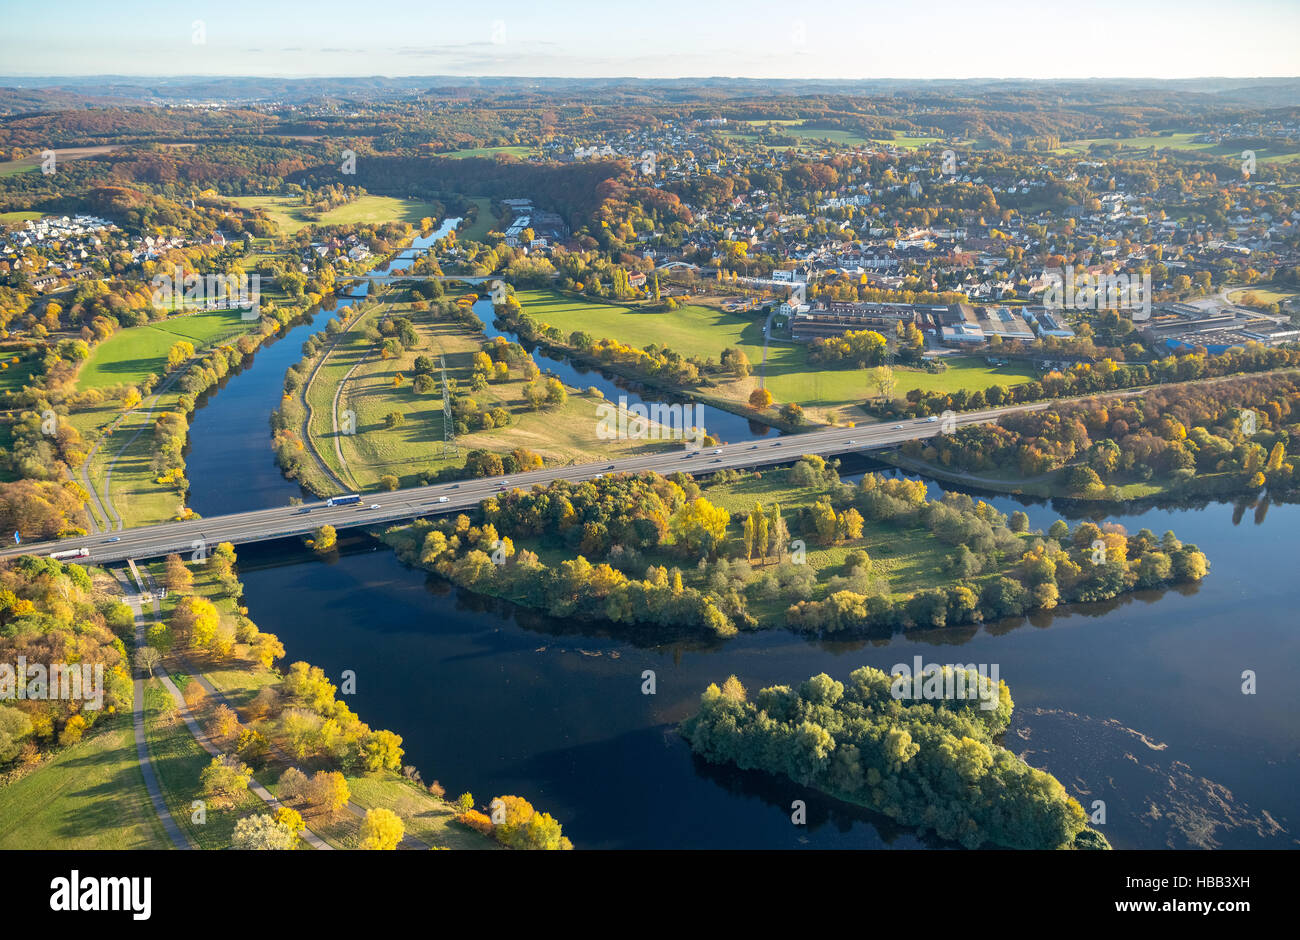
(449, 446)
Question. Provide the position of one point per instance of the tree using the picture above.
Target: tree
(394, 419)
(522, 827)
(159, 637)
(382, 829)
(1019, 522)
(224, 779)
(263, 832)
(381, 750)
(328, 791)
(760, 398)
(792, 413)
(699, 526)
(147, 658)
(389, 482)
(196, 619)
(882, 378)
(179, 577)
(14, 727)
(325, 540)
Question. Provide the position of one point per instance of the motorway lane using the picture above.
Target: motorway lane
(203, 535)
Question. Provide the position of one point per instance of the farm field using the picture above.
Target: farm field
(136, 352)
(288, 214)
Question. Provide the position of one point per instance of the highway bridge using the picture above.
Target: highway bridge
(375, 509)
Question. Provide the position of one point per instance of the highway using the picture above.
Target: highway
(202, 535)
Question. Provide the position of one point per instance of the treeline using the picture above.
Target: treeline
(52, 619)
(1085, 378)
(479, 558)
(935, 765)
(1243, 431)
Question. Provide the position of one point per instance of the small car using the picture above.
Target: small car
(718, 451)
(852, 442)
(600, 476)
(442, 499)
(931, 420)
(898, 427)
(304, 509)
(374, 505)
(116, 538)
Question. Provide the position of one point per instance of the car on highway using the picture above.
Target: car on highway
(305, 509)
(931, 420)
(600, 476)
(753, 447)
(776, 443)
(610, 467)
(852, 442)
(374, 505)
(718, 451)
(116, 538)
(442, 499)
(717, 460)
(898, 427)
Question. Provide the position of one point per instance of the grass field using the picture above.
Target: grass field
(706, 331)
(130, 355)
(483, 223)
(286, 213)
(522, 153)
(1265, 295)
(89, 796)
(14, 375)
(9, 218)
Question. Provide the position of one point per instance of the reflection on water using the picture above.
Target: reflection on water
(1136, 702)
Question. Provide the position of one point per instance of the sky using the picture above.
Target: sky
(834, 39)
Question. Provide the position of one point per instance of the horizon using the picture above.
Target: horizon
(836, 39)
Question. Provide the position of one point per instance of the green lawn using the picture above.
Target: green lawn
(287, 213)
(968, 372)
(89, 796)
(130, 355)
(10, 218)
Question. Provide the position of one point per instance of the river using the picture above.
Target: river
(1135, 702)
